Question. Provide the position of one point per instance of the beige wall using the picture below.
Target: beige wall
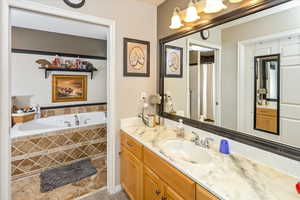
(134, 19)
(35, 40)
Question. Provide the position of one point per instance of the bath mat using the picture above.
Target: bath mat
(57, 177)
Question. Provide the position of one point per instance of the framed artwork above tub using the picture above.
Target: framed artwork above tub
(67, 88)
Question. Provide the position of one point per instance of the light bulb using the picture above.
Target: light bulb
(235, 1)
(191, 13)
(214, 6)
(176, 21)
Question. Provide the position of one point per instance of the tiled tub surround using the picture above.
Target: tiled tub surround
(228, 177)
(57, 123)
(72, 110)
(32, 154)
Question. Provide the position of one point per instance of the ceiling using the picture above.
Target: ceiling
(36, 21)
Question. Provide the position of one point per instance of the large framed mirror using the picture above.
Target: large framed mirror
(241, 81)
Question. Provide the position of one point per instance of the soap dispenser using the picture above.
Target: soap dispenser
(180, 129)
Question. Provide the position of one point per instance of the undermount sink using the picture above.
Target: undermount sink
(186, 151)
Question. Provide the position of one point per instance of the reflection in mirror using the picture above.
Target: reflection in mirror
(266, 97)
(216, 84)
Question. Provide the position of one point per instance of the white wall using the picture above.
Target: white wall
(134, 19)
(31, 87)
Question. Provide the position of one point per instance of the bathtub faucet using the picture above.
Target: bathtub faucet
(76, 120)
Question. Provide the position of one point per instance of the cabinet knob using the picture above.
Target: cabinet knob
(157, 192)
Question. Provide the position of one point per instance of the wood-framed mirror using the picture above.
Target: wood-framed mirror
(219, 90)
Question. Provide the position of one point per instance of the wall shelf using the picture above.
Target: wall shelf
(48, 70)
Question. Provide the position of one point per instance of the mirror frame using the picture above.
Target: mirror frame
(261, 143)
(274, 100)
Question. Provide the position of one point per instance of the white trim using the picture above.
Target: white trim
(5, 100)
(5, 166)
(218, 70)
(241, 70)
(118, 188)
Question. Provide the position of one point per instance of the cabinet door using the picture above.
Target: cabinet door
(170, 194)
(152, 185)
(131, 174)
(203, 194)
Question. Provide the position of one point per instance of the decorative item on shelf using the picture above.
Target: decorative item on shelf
(44, 63)
(56, 62)
(174, 61)
(191, 13)
(78, 63)
(87, 65)
(136, 58)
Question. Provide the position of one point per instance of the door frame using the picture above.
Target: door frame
(5, 86)
(217, 76)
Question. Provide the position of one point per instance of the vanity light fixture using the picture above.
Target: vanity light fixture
(235, 1)
(214, 6)
(191, 13)
(176, 21)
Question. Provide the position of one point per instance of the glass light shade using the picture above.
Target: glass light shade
(235, 1)
(214, 6)
(191, 13)
(176, 21)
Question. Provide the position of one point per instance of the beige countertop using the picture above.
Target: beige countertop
(228, 177)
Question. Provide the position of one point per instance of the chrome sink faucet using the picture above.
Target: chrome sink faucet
(204, 142)
(76, 120)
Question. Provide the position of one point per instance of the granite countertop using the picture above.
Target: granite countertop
(229, 177)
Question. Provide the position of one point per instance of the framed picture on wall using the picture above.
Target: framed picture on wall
(174, 61)
(136, 58)
(67, 88)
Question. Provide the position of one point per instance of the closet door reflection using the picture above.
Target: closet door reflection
(266, 110)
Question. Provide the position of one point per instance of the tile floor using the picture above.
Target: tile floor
(104, 196)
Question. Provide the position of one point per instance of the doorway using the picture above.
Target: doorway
(6, 102)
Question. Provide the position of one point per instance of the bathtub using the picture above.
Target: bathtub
(56, 123)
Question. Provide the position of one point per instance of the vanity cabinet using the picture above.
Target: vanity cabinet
(266, 119)
(146, 176)
(131, 174)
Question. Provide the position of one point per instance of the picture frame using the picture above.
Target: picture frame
(174, 61)
(68, 88)
(136, 58)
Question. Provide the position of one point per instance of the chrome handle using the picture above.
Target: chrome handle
(157, 192)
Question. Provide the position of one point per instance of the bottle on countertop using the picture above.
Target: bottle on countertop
(180, 129)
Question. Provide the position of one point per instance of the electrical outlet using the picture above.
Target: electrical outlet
(143, 96)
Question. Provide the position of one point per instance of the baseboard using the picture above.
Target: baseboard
(118, 188)
(92, 193)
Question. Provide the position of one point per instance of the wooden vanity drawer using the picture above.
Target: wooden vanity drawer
(184, 186)
(203, 194)
(266, 111)
(132, 145)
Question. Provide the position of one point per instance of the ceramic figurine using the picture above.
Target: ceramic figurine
(44, 63)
